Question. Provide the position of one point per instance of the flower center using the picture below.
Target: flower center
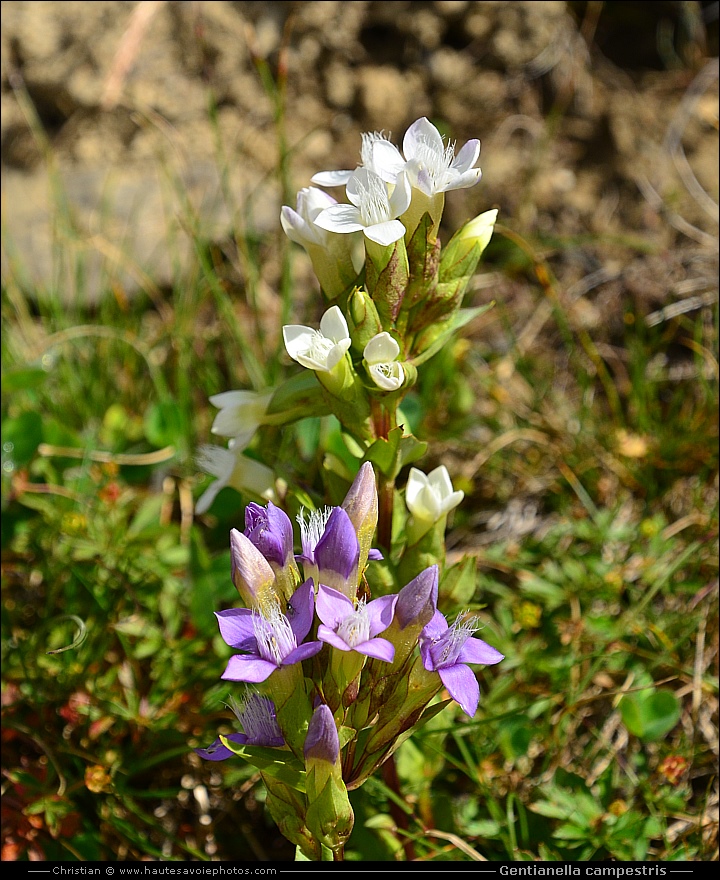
(274, 636)
(435, 162)
(374, 204)
(355, 629)
(257, 716)
(447, 647)
(320, 347)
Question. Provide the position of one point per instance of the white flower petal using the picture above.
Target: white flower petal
(467, 156)
(298, 339)
(340, 218)
(381, 349)
(440, 480)
(331, 178)
(388, 376)
(431, 497)
(334, 326)
(385, 233)
(462, 181)
(387, 160)
(336, 353)
(400, 196)
(421, 131)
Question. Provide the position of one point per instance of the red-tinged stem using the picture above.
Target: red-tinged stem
(383, 423)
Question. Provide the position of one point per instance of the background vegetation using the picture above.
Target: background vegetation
(579, 415)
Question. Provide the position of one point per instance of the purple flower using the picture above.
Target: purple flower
(322, 742)
(330, 548)
(269, 640)
(446, 649)
(355, 627)
(251, 573)
(270, 530)
(417, 601)
(257, 716)
(361, 505)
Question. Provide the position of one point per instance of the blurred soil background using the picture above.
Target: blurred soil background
(599, 129)
(595, 118)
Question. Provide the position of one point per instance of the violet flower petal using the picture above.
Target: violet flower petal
(332, 606)
(477, 651)
(302, 652)
(328, 635)
(236, 628)
(322, 741)
(270, 530)
(380, 611)
(216, 751)
(300, 609)
(248, 667)
(338, 549)
(379, 648)
(462, 686)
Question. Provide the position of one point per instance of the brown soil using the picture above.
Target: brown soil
(595, 119)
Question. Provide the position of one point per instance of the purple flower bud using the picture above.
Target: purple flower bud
(322, 742)
(417, 601)
(270, 530)
(252, 575)
(361, 501)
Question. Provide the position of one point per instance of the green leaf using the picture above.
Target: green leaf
(21, 437)
(457, 586)
(298, 397)
(435, 337)
(280, 764)
(23, 379)
(164, 424)
(391, 455)
(650, 715)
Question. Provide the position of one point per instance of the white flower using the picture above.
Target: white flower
(231, 468)
(380, 357)
(371, 158)
(373, 210)
(319, 349)
(430, 497)
(299, 225)
(241, 413)
(432, 165)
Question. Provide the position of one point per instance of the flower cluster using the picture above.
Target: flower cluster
(340, 642)
(323, 662)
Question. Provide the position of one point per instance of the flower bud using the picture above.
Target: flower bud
(270, 530)
(460, 258)
(251, 573)
(329, 815)
(322, 742)
(361, 505)
(363, 318)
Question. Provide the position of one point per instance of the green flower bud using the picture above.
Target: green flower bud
(363, 318)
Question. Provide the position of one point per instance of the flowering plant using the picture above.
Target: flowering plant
(340, 644)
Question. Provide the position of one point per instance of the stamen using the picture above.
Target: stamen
(274, 635)
(257, 716)
(452, 640)
(312, 530)
(320, 347)
(374, 204)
